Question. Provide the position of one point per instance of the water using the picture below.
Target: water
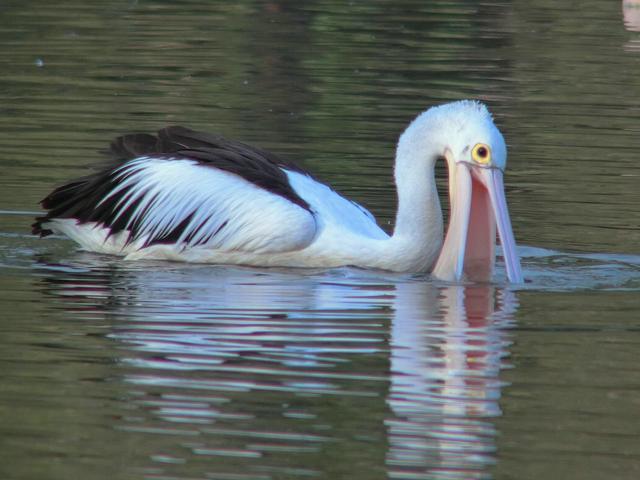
(168, 371)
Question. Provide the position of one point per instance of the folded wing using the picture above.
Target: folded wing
(189, 189)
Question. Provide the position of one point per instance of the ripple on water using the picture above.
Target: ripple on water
(562, 271)
(247, 365)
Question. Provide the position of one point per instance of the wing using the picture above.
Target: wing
(187, 189)
(181, 202)
(257, 166)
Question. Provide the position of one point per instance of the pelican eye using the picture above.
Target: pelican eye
(481, 153)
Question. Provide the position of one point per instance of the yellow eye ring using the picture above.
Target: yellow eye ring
(481, 154)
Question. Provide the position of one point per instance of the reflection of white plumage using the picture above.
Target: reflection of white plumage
(189, 196)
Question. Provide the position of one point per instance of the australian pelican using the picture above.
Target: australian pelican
(195, 197)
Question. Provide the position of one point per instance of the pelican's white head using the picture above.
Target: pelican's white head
(463, 133)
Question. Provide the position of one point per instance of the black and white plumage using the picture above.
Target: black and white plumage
(157, 191)
(191, 196)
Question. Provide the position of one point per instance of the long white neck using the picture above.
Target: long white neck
(419, 214)
(418, 233)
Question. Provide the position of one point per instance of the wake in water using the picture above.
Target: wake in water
(562, 271)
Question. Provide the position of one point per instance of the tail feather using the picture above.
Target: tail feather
(61, 198)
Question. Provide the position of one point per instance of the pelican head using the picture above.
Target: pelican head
(463, 133)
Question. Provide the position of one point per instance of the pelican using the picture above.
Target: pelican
(196, 197)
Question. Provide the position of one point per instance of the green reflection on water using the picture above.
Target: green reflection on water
(331, 84)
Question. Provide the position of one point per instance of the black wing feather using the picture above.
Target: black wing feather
(81, 198)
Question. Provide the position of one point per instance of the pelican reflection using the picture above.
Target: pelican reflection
(267, 365)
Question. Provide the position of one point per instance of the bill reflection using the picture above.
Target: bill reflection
(447, 352)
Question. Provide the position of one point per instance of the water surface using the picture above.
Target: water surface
(168, 371)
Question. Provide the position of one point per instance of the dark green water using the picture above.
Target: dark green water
(165, 371)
